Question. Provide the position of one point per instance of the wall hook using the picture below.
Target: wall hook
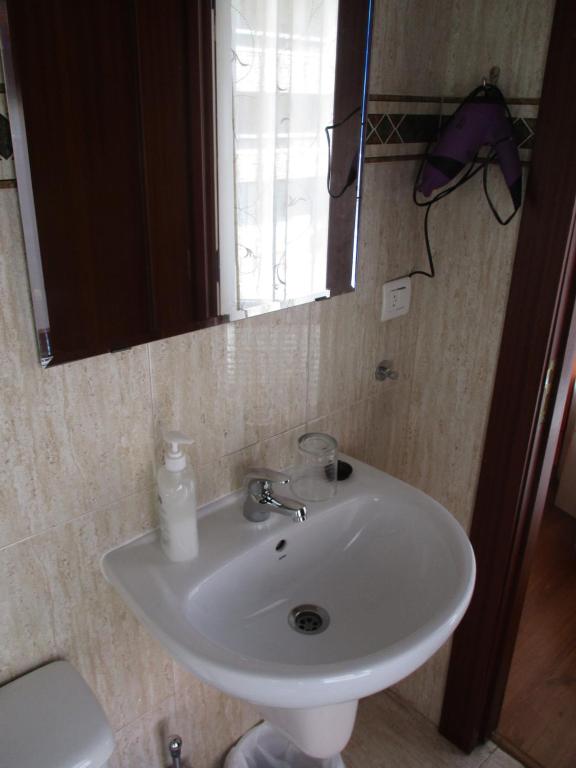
(175, 749)
(384, 371)
(492, 77)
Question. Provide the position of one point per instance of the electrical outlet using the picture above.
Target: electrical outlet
(396, 298)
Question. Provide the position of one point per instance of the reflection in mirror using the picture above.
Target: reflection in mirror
(120, 222)
(276, 86)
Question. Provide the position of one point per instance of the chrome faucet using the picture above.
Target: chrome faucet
(261, 500)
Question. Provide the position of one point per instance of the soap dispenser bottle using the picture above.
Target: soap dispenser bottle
(177, 502)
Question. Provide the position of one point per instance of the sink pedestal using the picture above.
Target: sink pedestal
(319, 731)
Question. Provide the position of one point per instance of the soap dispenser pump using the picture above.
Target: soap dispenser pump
(177, 501)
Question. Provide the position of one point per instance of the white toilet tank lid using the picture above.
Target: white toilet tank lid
(50, 718)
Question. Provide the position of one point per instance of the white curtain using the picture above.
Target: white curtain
(283, 71)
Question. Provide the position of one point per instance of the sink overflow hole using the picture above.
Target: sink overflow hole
(281, 545)
(308, 619)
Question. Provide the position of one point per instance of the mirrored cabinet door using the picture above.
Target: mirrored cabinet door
(183, 163)
(115, 106)
(291, 89)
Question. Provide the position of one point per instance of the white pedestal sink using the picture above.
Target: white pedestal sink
(381, 574)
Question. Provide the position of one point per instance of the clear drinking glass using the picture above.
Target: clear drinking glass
(315, 477)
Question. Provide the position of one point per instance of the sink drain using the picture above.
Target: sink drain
(308, 619)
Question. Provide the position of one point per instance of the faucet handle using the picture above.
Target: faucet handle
(268, 476)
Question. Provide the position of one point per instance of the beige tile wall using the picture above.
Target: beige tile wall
(78, 442)
(431, 432)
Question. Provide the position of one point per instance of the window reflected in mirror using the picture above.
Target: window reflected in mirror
(276, 67)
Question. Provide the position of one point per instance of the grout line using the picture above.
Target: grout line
(102, 507)
(173, 668)
(395, 158)
(146, 712)
(399, 98)
(42, 532)
(150, 386)
(154, 425)
(85, 515)
(493, 752)
(149, 487)
(259, 441)
(142, 489)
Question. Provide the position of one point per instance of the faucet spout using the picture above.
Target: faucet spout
(261, 500)
(289, 507)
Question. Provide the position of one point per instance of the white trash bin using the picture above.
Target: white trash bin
(266, 747)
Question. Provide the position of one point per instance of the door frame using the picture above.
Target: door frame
(533, 370)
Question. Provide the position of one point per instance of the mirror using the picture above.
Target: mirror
(280, 116)
(208, 162)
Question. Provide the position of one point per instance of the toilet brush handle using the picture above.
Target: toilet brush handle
(175, 749)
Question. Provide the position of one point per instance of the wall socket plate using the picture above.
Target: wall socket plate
(396, 298)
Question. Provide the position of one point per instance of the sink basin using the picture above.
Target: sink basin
(379, 576)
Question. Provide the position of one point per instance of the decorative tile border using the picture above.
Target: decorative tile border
(394, 98)
(398, 127)
(402, 127)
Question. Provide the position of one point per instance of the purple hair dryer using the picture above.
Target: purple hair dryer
(482, 119)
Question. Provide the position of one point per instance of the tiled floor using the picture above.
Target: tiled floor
(389, 734)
